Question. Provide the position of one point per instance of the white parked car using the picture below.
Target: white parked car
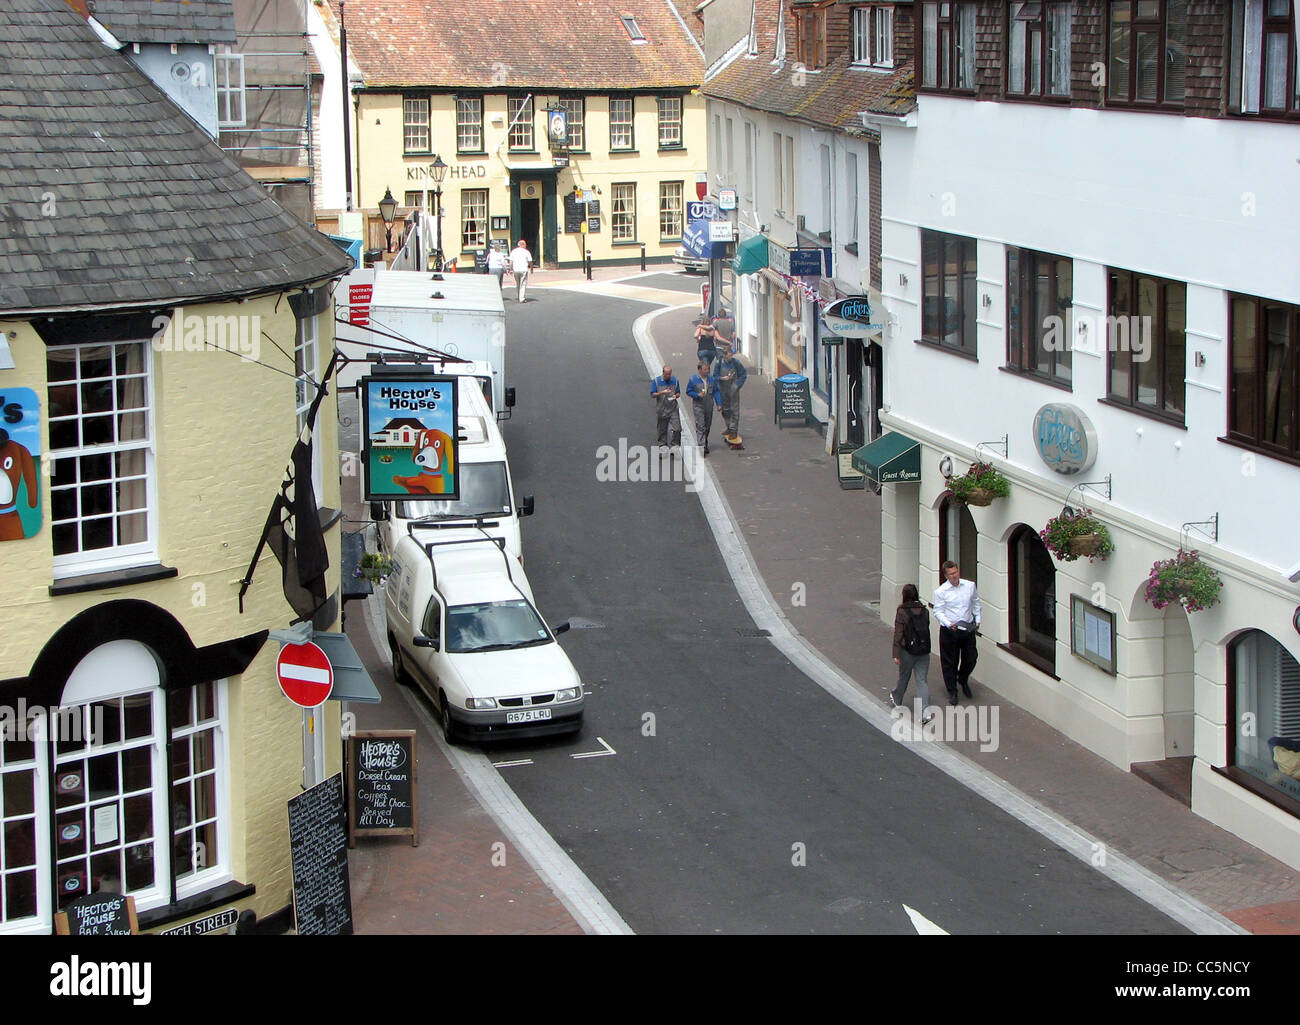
(689, 263)
(462, 625)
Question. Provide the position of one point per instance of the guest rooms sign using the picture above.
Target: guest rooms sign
(1065, 438)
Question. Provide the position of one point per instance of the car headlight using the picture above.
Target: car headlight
(480, 703)
(569, 693)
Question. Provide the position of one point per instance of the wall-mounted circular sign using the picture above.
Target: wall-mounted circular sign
(1065, 438)
(851, 317)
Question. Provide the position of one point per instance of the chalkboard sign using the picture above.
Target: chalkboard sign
(574, 213)
(98, 914)
(322, 893)
(381, 768)
(480, 261)
(793, 401)
(593, 208)
(593, 225)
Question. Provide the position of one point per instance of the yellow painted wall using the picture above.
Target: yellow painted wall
(223, 429)
(383, 165)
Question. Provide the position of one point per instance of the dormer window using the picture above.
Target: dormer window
(873, 36)
(810, 48)
(633, 30)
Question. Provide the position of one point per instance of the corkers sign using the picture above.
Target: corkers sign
(1065, 438)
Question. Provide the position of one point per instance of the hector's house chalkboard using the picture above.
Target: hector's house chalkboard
(318, 843)
(793, 401)
(98, 914)
(381, 771)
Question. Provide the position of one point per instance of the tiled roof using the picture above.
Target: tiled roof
(521, 44)
(110, 196)
(173, 21)
(832, 96)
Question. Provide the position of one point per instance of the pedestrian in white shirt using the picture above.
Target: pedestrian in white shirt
(521, 261)
(497, 264)
(958, 609)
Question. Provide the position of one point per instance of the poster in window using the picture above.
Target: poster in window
(410, 439)
(20, 455)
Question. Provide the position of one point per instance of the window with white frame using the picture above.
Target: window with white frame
(413, 200)
(469, 124)
(778, 174)
(670, 210)
(1265, 75)
(415, 124)
(519, 111)
(24, 831)
(851, 200)
(232, 110)
(306, 359)
(670, 122)
(751, 161)
(873, 36)
(731, 150)
(828, 200)
(101, 447)
(473, 218)
(621, 136)
(575, 109)
(623, 213)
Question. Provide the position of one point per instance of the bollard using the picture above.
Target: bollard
(643, 256)
(587, 261)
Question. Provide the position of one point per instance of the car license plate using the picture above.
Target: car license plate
(528, 715)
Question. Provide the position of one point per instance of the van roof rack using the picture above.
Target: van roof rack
(429, 546)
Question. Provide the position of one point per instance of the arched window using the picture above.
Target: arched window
(958, 539)
(1265, 680)
(1032, 600)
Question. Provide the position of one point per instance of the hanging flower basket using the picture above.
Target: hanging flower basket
(1078, 535)
(1184, 579)
(375, 566)
(979, 485)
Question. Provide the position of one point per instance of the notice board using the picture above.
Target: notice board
(318, 843)
(793, 399)
(98, 914)
(381, 775)
(575, 214)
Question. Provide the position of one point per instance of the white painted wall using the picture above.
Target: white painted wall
(1209, 202)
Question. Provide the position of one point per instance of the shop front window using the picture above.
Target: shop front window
(1032, 582)
(1266, 685)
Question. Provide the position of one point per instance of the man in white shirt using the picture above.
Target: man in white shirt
(521, 261)
(958, 609)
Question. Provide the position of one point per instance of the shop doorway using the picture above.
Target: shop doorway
(530, 224)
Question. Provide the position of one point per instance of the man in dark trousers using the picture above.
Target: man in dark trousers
(666, 390)
(730, 374)
(703, 392)
(958, 609)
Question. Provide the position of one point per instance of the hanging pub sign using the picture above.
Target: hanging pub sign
(1065, 438)
(557, 128)
(410, 440)
(20, 455)
(851, 317)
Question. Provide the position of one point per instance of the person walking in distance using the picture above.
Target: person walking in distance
(912, 651)
(497, 265)
(703, 392)
(730, 374)
(958, 609)
(521, 262)
(666, 390)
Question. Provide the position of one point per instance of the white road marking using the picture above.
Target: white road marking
(507, 765)
(566, 880)
(767, 614)
(597, 754)
(922, 925)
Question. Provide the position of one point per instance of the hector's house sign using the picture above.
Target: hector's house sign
(1065, 438)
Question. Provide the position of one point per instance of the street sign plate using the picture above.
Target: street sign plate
(305, 674)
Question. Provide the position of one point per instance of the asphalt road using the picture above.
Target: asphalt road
(740, 797)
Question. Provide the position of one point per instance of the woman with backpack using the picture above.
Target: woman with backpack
(912, 649)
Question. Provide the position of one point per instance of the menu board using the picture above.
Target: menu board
(98, 914)
(322, 893)
(793, 400)
(574, 213)
(381, 773)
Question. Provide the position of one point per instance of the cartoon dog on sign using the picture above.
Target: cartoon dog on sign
(16, 464)
(432, 453)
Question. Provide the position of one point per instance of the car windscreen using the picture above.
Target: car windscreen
(483, 491)
(494, 626)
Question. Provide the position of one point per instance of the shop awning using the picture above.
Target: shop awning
(351, 681)
(751, 255)
(890, 459)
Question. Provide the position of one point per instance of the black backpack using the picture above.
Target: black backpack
(916, 641)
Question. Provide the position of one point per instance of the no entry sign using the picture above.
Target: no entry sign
(305, 674)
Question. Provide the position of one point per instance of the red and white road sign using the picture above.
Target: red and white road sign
(359, 297)
(305, 674)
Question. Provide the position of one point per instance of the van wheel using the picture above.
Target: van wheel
(400, 672)
(444, 718)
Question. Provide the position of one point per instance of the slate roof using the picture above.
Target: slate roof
(111, 197)
(520, 44)
(831, 97)
(167, 21)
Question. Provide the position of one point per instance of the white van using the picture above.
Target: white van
(462, 625)
(487, 496)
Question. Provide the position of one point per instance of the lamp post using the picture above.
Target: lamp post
(387, 211)
(439, 171)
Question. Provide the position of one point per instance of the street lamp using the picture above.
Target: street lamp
(439, 171)
(387, 211)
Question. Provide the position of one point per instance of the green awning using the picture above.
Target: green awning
(751, 255)
(890, 459)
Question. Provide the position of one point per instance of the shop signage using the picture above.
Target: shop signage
(20, 455)
(701, 210)
(721, 231)
(575, 212)
(726, 199)
(414, 174)
(851, 317)
(778, 258)
(221, 920)
(359, 297)
(98, 914)
(318, 848)
(381, 784)
(410, 441)
(805, 263)
(793, 400)
(1065, 438)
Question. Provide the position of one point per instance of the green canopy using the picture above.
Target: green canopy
(890, 459)
(751, 255)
